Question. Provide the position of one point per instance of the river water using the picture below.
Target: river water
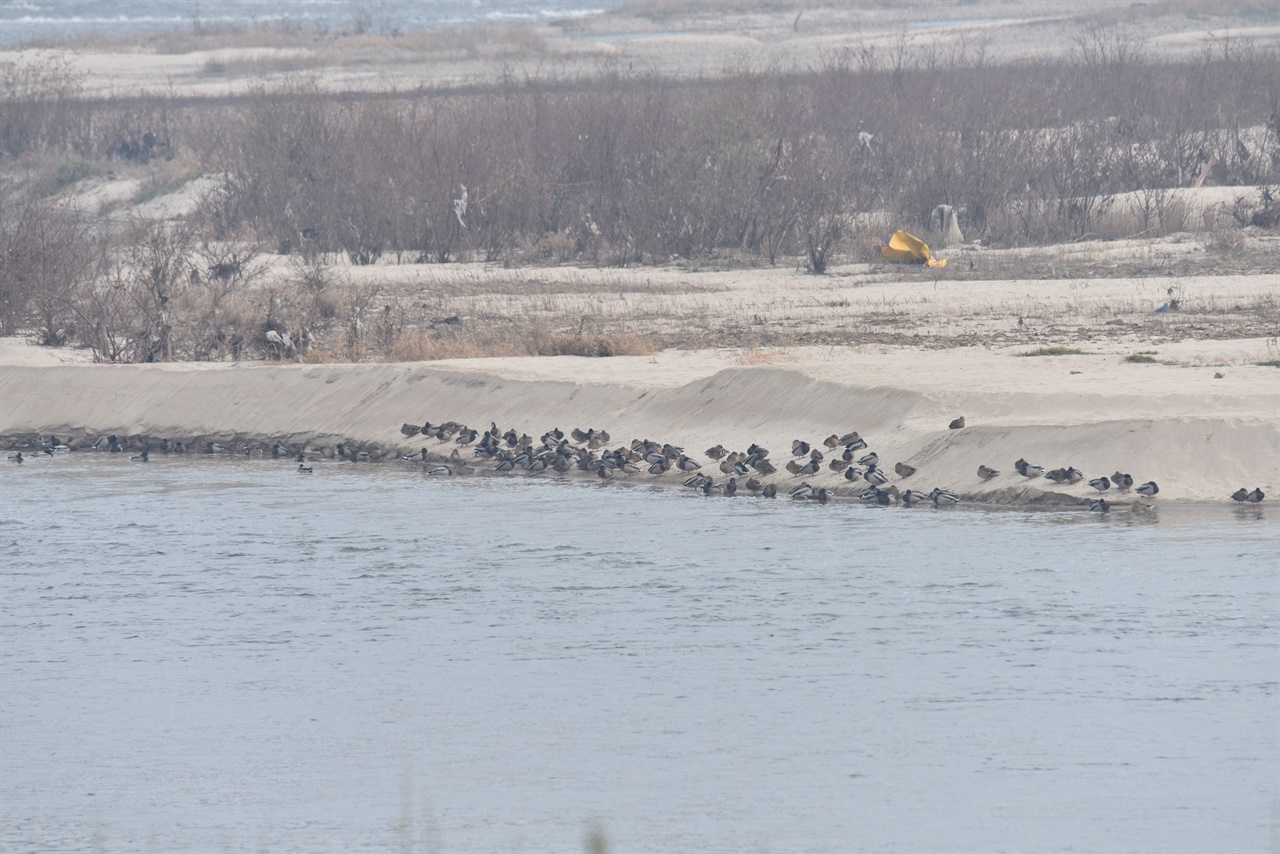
(221, 654)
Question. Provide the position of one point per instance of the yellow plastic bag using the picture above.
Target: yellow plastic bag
(906, 248)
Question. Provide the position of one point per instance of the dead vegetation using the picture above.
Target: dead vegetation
(1068, 170)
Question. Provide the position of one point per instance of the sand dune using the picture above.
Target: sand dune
(1199, 436)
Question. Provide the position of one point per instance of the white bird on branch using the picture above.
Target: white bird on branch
(460, 207)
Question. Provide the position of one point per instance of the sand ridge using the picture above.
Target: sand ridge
(1200, 437)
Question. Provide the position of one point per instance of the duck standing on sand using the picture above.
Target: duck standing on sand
(1122, 482)
(1149, 489)
(986, 472)
(769, 491)
(1240, 494)
(1027, 470)
(1102, 484)
(1256, 496)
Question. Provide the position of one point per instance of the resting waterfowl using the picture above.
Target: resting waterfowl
(753, 485)
(143, 457)
(764, 467)
(904, 470)
(799, 448)
(871, 460)
(986, 472)
(770, 491)
(1027, 470)
(853, 447)
(874, 476)
(804, 490)
(1240, 494)
(943, 498)
(686, 464)
(957, 423)
(410, 429)
(793, 467)
(1122, 482)
(1099, 505)
(716, 453)
(872, 495)
(849, 438)
(1102, 484)
(15, 458)
(1074, 475)
(1256, 496)
(1149, 489)
(440, 470)
(731, 488)
(911, 497)
(304, 469)
(215, 448)
(852, 473)
(831, 441)
(696, 481)
(419, 457)
(812, 467)
(836, 464)
(1057, 475)
(823, 496)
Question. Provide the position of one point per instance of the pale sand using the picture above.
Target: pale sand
(1199, 437)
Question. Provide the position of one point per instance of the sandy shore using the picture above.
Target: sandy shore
(1199, 436)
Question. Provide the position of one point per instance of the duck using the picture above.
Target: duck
(753, 485)
(942, 497)
(823, 496)
(1027, 470)
(793, 467)
(836, 464)
(731, 488)
(144, 457)
(1240, 494)
(853, 447)
(420, 457)
(1123, 482)
(716, 453)
(804, 490)
(1256, 496)
(1149, 489)
(871, 460)
(1099, 505)
(904, 470)
(831, 441)
(1057, 475)
(411, 429)
(15, 458)
(302, 469)
(849, 438)
(913, 497)
(986, 472)
(440, 470)
(874, 476)
(871, 495)
(686, 464)
(799, 448)
(215, 448)
(1073, 475)
(764, 467)
(696, 481)
(811, 467)
(604, 472)
(957, 424)
(276, 449)
(1102, 484)
(769, 491)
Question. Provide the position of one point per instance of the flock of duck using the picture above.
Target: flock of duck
(588, 451)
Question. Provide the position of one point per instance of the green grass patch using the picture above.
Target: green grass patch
(1274, 363)
(67, 174)
(162, 185)
(1056, 351)
(1147, 357)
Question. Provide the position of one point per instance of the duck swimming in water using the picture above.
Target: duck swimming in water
(305, 469)
(1099, 505)
(15, 458)
(144, 457)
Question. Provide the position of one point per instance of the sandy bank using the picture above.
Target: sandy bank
(1199, 436)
